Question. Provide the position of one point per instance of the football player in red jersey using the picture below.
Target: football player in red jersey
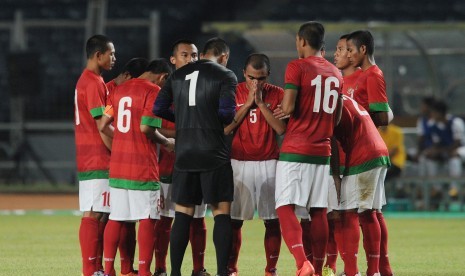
(311, 98)
(362, 187)
(254, 155)
(134, 175)
(92, 154)
(370, 92)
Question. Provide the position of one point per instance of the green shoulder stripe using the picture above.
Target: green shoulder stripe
(134, 184)
(96, 112)
(102, 174)
(293, 157)
(377, 107)
(369, 165)
(151, 121)
(291, 86)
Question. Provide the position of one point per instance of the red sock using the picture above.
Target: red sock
(384, 265)
(292, 233)
(101, 230)
(338, 238)
(272, 243)
(351, 238)
(162, 232)
(236, 243)
(306, 224)
(371, 239)
(198, 239)
(146, 237)
(112, 238)
(88, 239)
(331, 247)
(320, 231)
(127, 246)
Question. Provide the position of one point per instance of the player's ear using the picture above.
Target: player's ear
(97, 55)
(223, 59)
(164, 76)
(363, 49)
(302, 42)
(173, 60)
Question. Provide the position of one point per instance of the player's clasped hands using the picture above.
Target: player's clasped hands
(169, 145)
(278, 113)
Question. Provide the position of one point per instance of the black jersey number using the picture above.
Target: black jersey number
(192, 86)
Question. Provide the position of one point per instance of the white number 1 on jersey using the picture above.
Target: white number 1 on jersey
(192, 86)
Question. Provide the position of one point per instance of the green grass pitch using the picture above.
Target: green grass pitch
(48, 245)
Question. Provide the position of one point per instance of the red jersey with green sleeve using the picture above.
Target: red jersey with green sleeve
(318, 84)
(360, 139)
(92, 156)
(133, 163)
(370, 90)
(166, 158)
(350, 82)
(255, 139)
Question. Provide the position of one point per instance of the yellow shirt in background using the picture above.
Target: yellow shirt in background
(394, 138)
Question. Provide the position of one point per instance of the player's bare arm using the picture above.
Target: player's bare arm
(340, 102)
(168, 133)
(106, 130)
(241, 113)
(153, 135)
(380, 118)
(278, 125)
(335, 169)
(279, 114)
(289, 99)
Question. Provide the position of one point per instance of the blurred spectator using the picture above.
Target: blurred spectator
(447, 133)
(394, 139)
(424, 124)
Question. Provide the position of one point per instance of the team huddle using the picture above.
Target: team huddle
(165, 144)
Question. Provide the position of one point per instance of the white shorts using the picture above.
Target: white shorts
(94, 195)
(166, 205)
(254, 187)
(133, 205)
(302, 213)
(364, 191)
(302, 184)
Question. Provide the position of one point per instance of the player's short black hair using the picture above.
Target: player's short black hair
(429, 101)
(159, 66)
(97, 43)
(174, 48)
(363, 37)
(258, 61)
(439, 106)
(216, 46)
(344, 36)
(314, 33)
(136, 66)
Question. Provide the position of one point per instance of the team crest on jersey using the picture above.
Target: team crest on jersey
(351, 91)
(268, 104)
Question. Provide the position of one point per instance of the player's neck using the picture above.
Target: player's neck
(367, 63)
(310, 52)
(93, 66)
(349, 71)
